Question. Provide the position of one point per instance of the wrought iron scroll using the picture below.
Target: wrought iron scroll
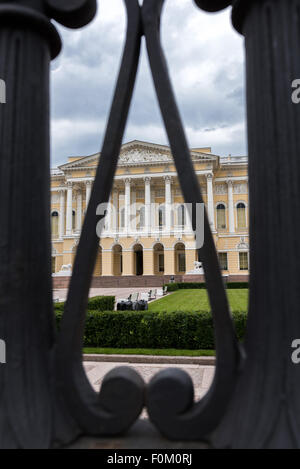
(265, 407)
(28, 41)
(170, 400)
(122, 395)
(170, 394)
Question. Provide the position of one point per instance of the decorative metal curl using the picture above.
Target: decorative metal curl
(189, 420)
(198, 420)
(122, 396)
(213, 5)
(28, 40)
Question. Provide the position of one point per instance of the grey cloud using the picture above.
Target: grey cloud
(208, 82)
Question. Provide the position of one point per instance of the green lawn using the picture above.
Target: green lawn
(157, 352)
(197, 300)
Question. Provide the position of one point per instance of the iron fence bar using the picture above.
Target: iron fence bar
(170, 394)
(203, 417)
(28, 41)
(265, 408)
(122, 395)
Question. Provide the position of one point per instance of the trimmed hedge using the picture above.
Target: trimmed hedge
(145, 329)
(97, 303)
(102, 303)
(171, 287)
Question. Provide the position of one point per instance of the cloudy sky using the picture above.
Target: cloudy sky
(206, 61)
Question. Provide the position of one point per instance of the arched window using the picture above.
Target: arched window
(73, 220)
(161, 216)
(54, 224)
(241, 215)
(181, 215)
(221, 217)
(180, 258)
(159, 259)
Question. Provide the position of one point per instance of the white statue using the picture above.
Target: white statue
(65, 271)
(198, 270)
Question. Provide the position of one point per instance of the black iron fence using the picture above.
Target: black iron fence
(45, 396)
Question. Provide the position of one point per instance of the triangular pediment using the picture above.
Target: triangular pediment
(137, 153)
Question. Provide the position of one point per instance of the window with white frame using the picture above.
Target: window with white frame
(54, 224)
(223, 260)
(244, 260)
(221, 217)
(241, 215)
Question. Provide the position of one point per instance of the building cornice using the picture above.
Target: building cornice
(146, 158)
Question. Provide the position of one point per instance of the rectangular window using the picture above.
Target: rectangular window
(223, 260)
(244, 260)
(241, 216)
(181, 262)
(161, 263)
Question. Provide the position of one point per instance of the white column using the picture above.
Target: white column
(115, 211)
(153, 209)
(210, 201)
(108, 223)
(148, 204)
(230, 206)
(62, 215)
(79, 210)
(69, 208)
(168, 203)
(88, 192)
(127, 203)
(133, 210)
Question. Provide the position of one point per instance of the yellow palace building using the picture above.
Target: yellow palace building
(146, 203)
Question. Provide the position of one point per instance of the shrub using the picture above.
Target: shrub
(145, 329)
(172, 287)
(237, 285)
(101, 303)
(202, 286)
(97, 303)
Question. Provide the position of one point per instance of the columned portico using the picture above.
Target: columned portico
(142, 236)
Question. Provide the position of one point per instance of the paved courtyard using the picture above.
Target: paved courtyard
(202, 376)
(119, 293)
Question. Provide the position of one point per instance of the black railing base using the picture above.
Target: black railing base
(143, 435)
